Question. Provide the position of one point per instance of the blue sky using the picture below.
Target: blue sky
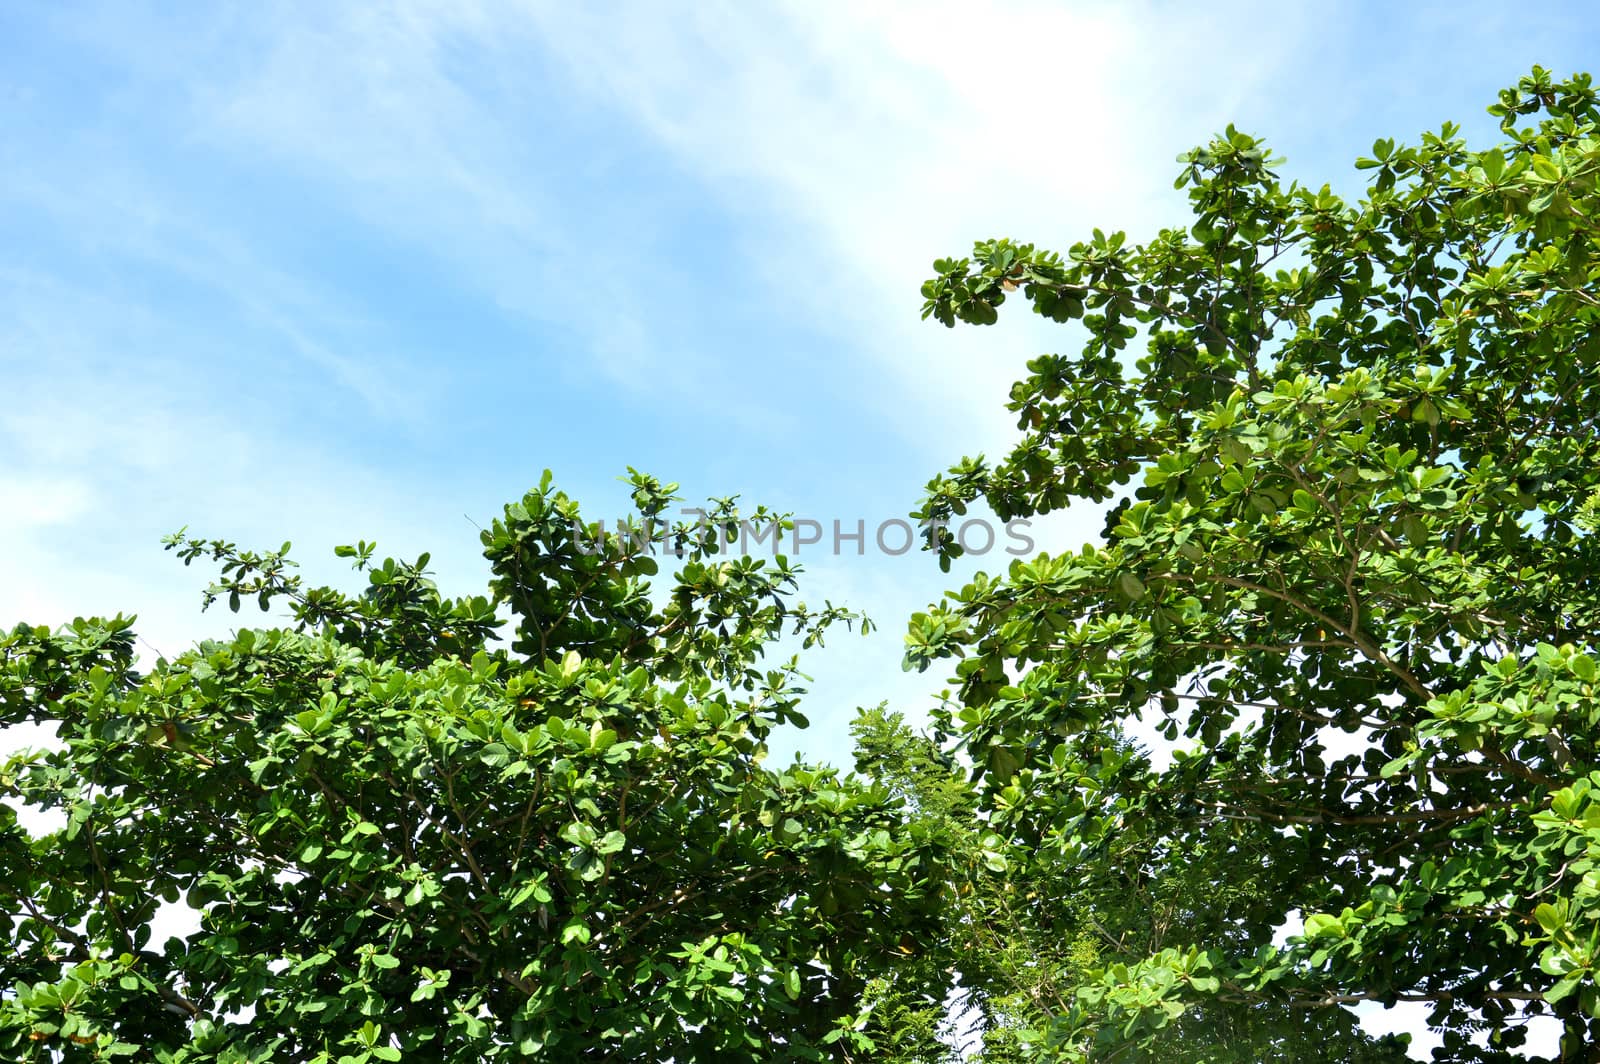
(321, 272)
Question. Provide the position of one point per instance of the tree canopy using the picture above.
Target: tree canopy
(407, 840)
(1315, 723)
(1347, 573)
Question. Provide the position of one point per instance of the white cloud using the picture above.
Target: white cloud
(864, 140)
(30, 502)
(852, 143)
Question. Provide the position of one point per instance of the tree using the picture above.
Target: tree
(1348, 572)
(408, 839)
(1027, 925)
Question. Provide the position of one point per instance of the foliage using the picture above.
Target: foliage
(1026, 926)
(406, 839)
(1348, 573)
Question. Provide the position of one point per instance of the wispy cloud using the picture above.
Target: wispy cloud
(33, 502)
(864, 140)
(844, 147)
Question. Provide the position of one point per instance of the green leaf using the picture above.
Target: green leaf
(1563, 988)
(1550, 918)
